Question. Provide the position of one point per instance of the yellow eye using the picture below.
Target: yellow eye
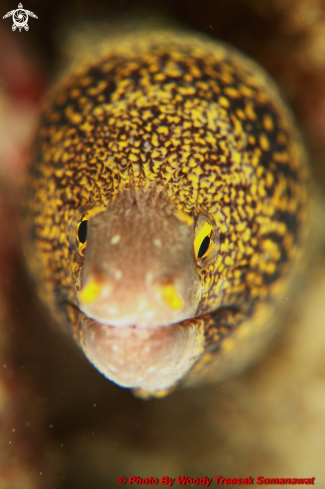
(82, 231)
(206, 242)
(78, 228)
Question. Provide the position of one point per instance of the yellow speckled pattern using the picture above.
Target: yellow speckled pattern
(182, 113)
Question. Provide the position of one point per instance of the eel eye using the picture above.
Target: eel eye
(82, 231)
(205, 245)
(78, 227)
(206, 240)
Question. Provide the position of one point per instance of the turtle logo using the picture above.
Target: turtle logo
(20, 18)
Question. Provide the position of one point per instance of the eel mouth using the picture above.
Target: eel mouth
(146, 303)
(138, 357)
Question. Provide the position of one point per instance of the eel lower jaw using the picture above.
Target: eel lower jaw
(146, 358)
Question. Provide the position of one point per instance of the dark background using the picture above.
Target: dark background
(73, 428)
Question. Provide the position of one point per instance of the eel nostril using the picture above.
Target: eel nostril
(90, 292)
(171, 297)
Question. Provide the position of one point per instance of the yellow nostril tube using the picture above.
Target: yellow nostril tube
(90, 292)
(171, 297)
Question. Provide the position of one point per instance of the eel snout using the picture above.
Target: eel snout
(139, 266)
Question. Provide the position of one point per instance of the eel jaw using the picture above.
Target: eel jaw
(150, 359)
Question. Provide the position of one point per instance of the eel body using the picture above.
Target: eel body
(165, 207)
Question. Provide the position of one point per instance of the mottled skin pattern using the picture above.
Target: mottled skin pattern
(193, 117)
